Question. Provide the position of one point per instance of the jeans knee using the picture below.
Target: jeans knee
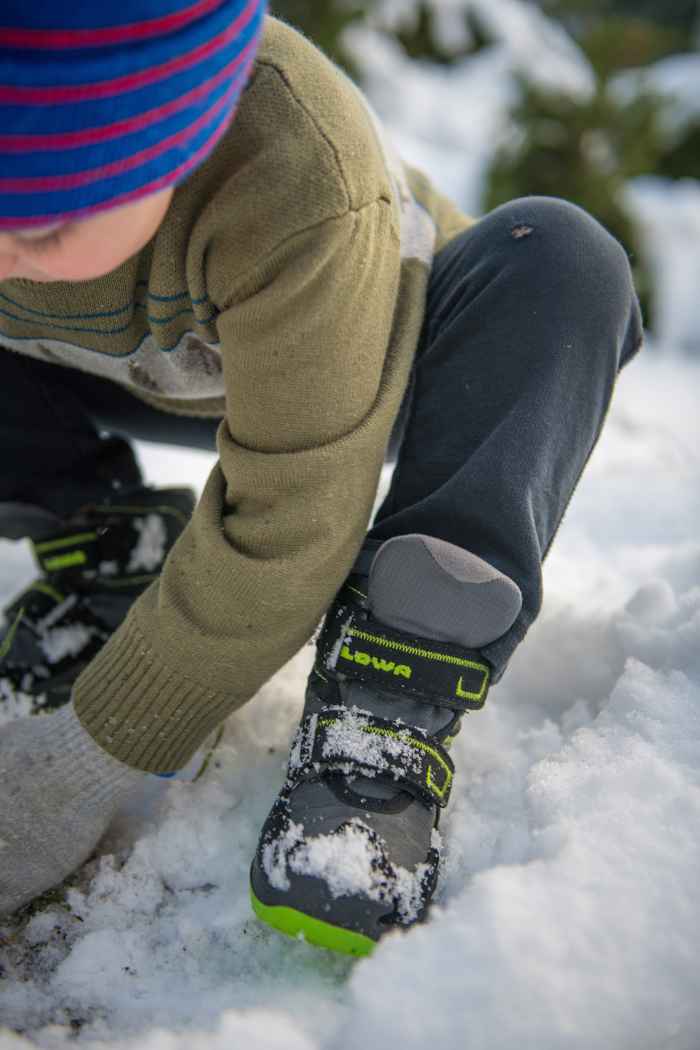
(553, 237)
(546, 263)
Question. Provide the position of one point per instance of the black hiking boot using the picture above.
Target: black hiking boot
(351, 848)
(93, 565)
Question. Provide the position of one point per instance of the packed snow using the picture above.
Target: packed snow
(568, 914)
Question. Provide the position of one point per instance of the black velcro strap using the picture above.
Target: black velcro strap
(68, 551)
(358, 743)
(355, 645)
(108, 552)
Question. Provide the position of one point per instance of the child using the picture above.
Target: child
(281, 276)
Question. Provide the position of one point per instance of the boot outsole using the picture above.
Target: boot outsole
(295, 923)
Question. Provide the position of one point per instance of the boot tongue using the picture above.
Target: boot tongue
(431, 589)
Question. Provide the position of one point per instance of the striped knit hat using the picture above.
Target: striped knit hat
(104, 102)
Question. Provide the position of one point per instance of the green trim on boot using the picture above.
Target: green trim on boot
(321, 934)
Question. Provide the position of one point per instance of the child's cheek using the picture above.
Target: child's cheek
(84, 262)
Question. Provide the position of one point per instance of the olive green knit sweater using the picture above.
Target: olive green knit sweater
(284, 292)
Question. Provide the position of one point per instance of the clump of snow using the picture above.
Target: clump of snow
(351, 862)
(148, 554)
(13, 703)
(276, 852)
(108, 568)
(351, 736)
(352, 744)
(59, 642)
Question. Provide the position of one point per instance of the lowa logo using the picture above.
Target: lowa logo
(377, 662)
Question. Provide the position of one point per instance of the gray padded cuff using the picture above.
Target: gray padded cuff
(438, 590)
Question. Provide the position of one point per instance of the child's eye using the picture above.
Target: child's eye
(40, 244)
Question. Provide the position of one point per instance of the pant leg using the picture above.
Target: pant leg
(64, 435)
(530, 316)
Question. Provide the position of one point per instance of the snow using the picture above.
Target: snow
(148, 553)
(450, 121)
(676, 79)
(352, 861)
(568, 911)
(669, 214)
(567, 915)
(65, 641)
(59, 642)
(349, 735)
(13, 704)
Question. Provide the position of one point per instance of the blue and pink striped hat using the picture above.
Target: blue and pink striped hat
(102, 103)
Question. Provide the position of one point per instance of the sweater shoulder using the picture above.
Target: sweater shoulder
(300, 151)
(296, 75)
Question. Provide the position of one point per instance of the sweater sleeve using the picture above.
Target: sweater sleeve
(313, 384)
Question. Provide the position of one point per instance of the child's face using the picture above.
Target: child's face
(83, 250)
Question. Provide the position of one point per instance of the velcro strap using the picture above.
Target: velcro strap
(355, 645)
(126, 546)
(79, 550)
(358, 743)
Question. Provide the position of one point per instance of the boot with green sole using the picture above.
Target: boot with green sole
(352, 847)
(92, 566)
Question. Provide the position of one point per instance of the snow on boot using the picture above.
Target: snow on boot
(351, 847)
(93, 565)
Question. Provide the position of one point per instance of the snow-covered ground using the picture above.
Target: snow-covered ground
(568, 914)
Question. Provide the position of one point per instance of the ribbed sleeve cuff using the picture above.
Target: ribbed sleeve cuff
(142, 712)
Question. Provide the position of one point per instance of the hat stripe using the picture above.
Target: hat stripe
(176, 175)
(56, 95)
(53, 183)
(92, 136)
(83, 131)
(60, 39)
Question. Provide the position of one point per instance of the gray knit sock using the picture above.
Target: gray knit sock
(58, 793)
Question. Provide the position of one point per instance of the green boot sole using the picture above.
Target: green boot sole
(322, 934)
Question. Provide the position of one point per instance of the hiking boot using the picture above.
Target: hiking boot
(93, 565)
(351, 848)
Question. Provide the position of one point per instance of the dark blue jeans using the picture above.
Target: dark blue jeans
(531, 314)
